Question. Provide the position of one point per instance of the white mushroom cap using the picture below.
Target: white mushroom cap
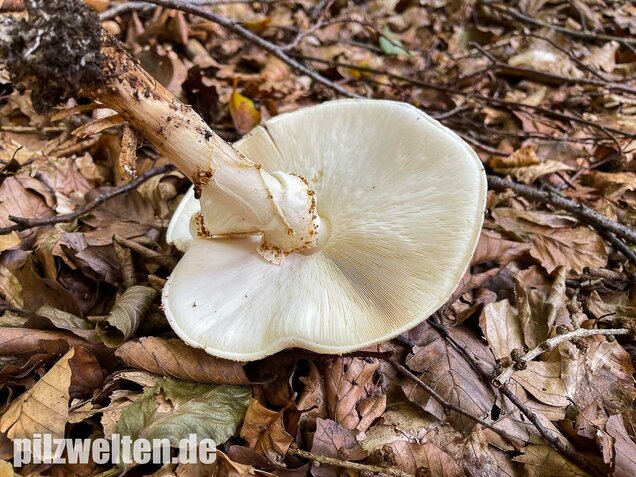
(401, 200)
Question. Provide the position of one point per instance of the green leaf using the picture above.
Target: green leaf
(174, 409)
(123, 320)
(391, 45)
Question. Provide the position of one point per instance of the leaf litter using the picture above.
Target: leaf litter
(543, 91)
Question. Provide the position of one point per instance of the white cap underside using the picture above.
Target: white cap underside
(404, 197)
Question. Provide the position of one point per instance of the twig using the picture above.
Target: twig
(586, 214)
(22, 223)
(345, 464)
(511, 12)
(444, 403)
(495, 102)
(255, 39)
(618, 244)
(547, 435)
(134, 6)
(124, 8)
(167, 261)
(549, 345)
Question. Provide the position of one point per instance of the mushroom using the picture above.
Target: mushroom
(366, 233)
(400, 205)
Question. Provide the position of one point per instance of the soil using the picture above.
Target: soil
(55, 52)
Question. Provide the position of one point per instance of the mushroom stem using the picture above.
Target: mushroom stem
(237, 196)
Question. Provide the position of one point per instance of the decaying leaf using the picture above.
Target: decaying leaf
(174, 409)
(443, 368)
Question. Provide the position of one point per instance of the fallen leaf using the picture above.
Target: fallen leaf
(175, 359)
(333, 440)
(553, 244)
(624, 451)
(174, 409)
(544, 461)
(124, 318)
(442, 367)
(264, 431)
(345, 381)
(243, 111)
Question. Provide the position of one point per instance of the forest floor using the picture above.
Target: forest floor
(528, 370)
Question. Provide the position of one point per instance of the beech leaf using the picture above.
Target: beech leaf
(123, 320)
(174, 409)
(175, 359)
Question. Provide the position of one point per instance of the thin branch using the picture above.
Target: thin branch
(22, 223)
(547, 434)
(268, 46)
(582, 212)
(345, 464)
(549, 345)
(443, 402)
(512, 13)
(495, 102)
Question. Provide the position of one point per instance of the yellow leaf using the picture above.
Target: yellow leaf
(44, 408)
(9, 241)
(258, 24)
(244, 113)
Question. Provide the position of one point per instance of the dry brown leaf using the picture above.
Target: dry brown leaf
(128, 155)
(123, 320)
(409, 457)
(552, 243)
(264, 431)
(501, 328)
(623, 463)
(313, 397)
(544, 461)
(543, 381)
(444, 368)
(492, 247)
(43, 409)
(174, 359)
(14, 341)
(602, 375)
(345, 381)
(603, 58)
(98, 125)
(333, 440)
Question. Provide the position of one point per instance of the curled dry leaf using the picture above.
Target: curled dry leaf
(123, 320)
(174, 359)
(623, 462)
(128, 155)
(264, 431)
(333, 440)
(345, 381)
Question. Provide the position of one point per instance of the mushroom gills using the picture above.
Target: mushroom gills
(401, 199)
